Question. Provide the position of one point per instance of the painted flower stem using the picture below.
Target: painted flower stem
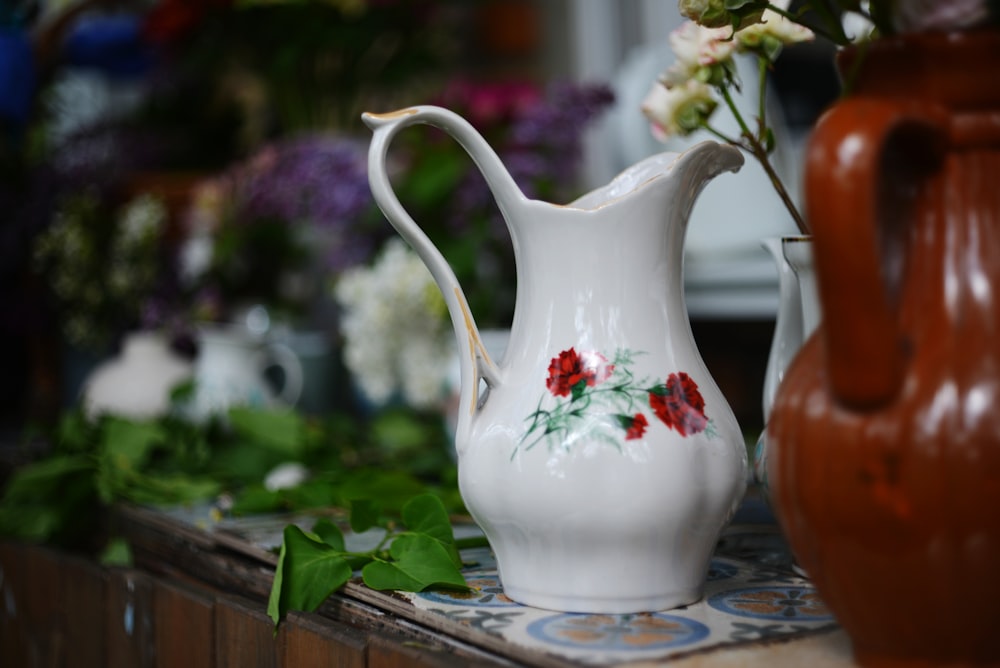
(605, 400)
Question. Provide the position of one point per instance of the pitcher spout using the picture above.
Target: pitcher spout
(691, 170)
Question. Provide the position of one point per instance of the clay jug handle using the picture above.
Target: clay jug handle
(846, 183)
(475, 363)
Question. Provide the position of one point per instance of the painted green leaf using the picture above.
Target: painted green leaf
(419, 562)
(308, 572)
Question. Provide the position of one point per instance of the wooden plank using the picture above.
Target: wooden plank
(129, 622)
(41, 607)
(308, 640)
(185, 625)
(84, 591)
(244, 635)
(389, 652)
(13, 633)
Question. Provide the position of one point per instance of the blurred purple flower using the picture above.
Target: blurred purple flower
(540, 142)
(319, 178)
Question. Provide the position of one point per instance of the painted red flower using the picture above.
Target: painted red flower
(679, 404)
(572, 372)
(634, 425)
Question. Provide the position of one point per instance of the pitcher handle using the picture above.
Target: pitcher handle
(476, 364)
(281, 356)
(845, 185)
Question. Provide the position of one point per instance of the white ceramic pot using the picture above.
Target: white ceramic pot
(137, 383)
(230, 371)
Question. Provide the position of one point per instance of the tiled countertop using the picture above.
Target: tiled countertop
(756, 610)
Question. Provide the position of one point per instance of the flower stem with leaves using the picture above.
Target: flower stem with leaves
(313, 565)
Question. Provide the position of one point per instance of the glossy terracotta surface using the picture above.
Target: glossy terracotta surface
(604, 461)
(885, 435)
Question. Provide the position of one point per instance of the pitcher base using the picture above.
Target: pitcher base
(600, 604)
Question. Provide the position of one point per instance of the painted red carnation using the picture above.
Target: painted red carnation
(635, 425)
(572, 372)
(679, 404)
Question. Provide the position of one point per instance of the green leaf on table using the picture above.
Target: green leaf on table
(426, 514)
(74, 432)
(329, 533)
(242, 463)
(308, 572)
(257, 499)
(183, 391)
(129, 444)
(392, 488)
(277, 429)
(419, 562)
(316, 493)
(364, 515)
(116, 553)
(166, 489)
(50, 499)
(46, 477)
(398, 430)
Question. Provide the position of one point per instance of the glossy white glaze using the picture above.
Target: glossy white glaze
(603, 461)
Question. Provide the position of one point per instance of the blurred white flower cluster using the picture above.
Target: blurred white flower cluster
(142, 224)
(704, 72)
(397, 337)
(103, 262)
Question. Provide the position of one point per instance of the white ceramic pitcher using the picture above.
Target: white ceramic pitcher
(797, 318)
(230, 371)
(602, 461)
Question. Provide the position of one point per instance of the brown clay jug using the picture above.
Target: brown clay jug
(885, 467)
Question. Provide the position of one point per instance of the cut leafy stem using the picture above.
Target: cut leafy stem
(414, 555)
(759, 144)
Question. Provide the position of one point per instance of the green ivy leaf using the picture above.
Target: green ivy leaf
(75, 433)
(167, 489)
(279, 430)
(419, 562)
(392, 488)
(116, 553)
(426, 514)
(46, 477)
(364, 515)
(50, 499)
(308, 572)
(129, 444)
(330, 534)
(256, 499)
